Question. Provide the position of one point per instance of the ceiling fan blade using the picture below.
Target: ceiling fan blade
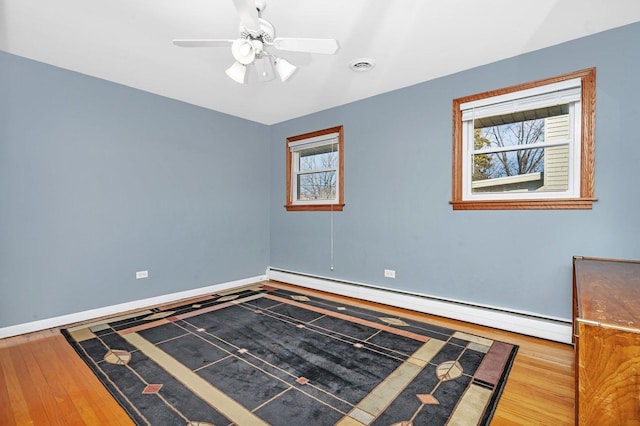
(203, 42)
(248, 14)
(327, 46)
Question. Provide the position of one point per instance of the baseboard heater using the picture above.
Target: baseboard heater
(530, 324)
(91, 314)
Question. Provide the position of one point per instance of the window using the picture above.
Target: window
(526, 147)
(315, 171)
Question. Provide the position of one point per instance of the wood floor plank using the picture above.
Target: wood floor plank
(44, 382)
(49, 384)
(29, 385)
(48, 392)
(72, 402)
(15, 409)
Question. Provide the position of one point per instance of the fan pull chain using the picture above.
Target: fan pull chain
(332, 236)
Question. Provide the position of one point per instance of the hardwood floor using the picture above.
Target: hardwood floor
(44, 382)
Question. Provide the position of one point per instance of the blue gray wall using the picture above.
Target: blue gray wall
(98, 181)
(398, 184)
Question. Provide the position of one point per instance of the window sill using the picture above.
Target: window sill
(548, 204)
(314, 207)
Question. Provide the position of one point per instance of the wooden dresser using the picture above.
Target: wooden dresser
(606, 328)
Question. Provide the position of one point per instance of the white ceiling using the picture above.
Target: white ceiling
(130, 42)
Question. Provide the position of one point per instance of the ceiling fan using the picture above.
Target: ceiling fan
(256, 35)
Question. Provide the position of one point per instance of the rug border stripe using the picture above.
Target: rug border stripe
(387, 391)
(497, 393)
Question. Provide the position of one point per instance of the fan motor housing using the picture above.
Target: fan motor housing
(267, 31)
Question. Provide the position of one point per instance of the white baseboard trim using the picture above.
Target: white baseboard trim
(91, 314)
(531, 324)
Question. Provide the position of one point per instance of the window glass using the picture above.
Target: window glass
(525, 155)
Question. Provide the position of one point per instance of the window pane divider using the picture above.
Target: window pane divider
(521, 147)
(310, 172)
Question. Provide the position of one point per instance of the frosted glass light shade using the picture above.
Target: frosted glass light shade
(237, 72)
(243, 51)
(285, 69)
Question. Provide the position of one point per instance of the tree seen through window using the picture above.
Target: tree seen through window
(514, 162)
(317, 177)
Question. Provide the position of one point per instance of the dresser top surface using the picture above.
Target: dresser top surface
(608, 291)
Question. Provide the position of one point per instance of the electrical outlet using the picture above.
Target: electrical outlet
(142, 274)
(389, 273)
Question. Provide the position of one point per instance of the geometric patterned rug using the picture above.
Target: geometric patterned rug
(269, 356)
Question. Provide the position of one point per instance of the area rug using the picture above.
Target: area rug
(269, 356)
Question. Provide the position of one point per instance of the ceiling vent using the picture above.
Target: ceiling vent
(362, 65)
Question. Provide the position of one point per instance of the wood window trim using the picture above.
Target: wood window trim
(290, 206)
(587, 146)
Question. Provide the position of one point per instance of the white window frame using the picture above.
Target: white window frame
(296, 145)
(561, 93)
(578, 90)
(296, 148)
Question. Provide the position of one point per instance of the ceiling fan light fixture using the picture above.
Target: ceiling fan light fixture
(237, 72)
(257, 36)
(284, 68)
